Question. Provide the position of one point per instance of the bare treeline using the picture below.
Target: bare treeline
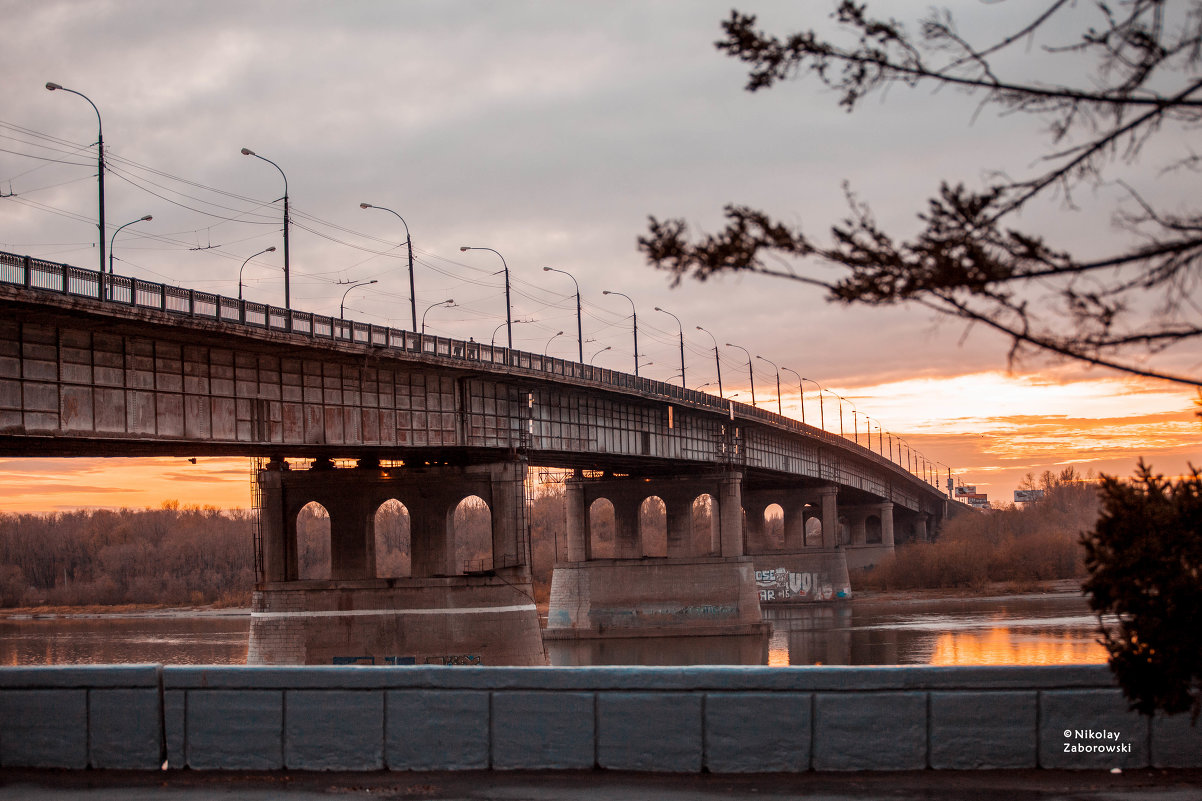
(173, 555)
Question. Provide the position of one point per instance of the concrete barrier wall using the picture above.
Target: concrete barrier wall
(721, 719)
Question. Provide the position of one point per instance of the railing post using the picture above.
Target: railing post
(28, 273)
(191, 302)
(65, 271)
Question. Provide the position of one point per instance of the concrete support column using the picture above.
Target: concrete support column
(508, 489)
(627, 543)
(754, 537)
(278, 534)
(680, 526)
(830, 516)
(921, 532)
(795, 529)
(576, 528)
(431, 548)
(351, 526)
(730, 510)
(857, 523)
(887, 524)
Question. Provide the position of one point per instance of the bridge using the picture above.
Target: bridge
(104, 365)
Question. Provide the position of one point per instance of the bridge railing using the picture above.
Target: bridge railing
(66, 279)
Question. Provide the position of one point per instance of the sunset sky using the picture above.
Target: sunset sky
(549, 132)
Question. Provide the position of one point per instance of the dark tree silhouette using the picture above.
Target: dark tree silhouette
(1145, 564)
(1137, 79)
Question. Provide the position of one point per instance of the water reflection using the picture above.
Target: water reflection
(106, 640)
(1014, 630)
(1010, 630)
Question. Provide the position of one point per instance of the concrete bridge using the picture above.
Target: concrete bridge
(113, 366)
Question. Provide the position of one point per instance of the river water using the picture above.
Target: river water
(1052, 628)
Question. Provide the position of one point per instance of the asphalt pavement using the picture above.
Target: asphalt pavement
(1019, 785)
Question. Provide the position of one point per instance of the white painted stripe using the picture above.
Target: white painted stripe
(471, 610)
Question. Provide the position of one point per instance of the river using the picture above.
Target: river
(1046, 628)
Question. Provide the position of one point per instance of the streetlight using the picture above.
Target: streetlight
(508, 306)
(598, 353)
(493, 341)
(779, 409)
(801, 389)
(681, 329)
(243, 267)
(750, 374)
(579, 329)
(112, 240)
(635, 315)
(549, 341)
(854, 420)
(51, 86)
(821, 413)
(409, 244)
(446, 302)
(717, 361)
(342, 305)
(287, 292)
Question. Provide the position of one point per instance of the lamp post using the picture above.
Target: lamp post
(598, 353)
(635, 317)
(508, 305)
(750, 374)
(679, 328)
(802, 390)
(243, 267)
(549, 341)
(446, 302)
(409, 245)
(287, 290)
(717, 361)
(821, 413)
(342, 305)
(579, 328)
(112, 241)
(779, 408)
(51, 86)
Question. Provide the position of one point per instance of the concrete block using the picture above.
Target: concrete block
(542, 730)
(649, 731)
(174, 723)
(436, 730)
(44, 729)
(974, 729)
(1175, 743)
(334, 730)
(870, 731)
(235, 729)
(124, 729)
(1082, 729)
(757, 732)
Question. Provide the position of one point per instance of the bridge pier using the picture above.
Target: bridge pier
(467, 596)
(692, 582)
(871, 529)
(798, 568)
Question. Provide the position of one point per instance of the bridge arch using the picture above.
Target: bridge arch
(391, 528)
(602, 529)
(773, 523)
(313, 529)
(653, 527)
(705, 531)
(469, 535)
(872, 530)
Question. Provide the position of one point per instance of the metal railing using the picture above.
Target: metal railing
(66, 279)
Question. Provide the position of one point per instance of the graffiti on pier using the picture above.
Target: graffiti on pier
(782, 585)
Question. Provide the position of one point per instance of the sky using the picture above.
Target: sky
(548, 132)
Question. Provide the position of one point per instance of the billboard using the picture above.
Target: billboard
(1026, 496)
(966, 489)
